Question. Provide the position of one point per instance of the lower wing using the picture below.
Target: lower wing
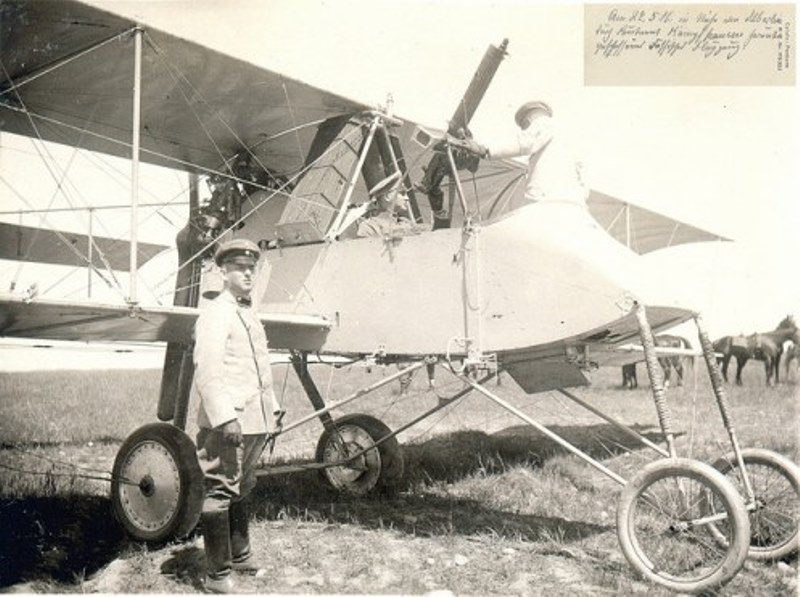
(85, 321)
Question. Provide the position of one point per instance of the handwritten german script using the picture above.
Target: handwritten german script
(689, 44)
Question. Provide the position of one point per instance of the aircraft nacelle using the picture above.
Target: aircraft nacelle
(544, 280)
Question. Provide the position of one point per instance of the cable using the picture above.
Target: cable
(55, 474)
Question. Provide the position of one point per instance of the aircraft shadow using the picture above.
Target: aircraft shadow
(60, 538)
(448, 458)
(66, 538)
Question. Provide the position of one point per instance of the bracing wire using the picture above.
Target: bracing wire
(177, 74)
(44, 71)
(114, 175)
(59, 184)
(15, 469)
(294, 119)
(273, 193)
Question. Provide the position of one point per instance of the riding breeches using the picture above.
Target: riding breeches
(228, 470)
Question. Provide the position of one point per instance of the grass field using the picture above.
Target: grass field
(487, 506)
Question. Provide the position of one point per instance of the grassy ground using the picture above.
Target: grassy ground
(487, 506)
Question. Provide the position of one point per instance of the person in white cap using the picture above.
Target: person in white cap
(554, 174)
(238, 409)
(389, 215)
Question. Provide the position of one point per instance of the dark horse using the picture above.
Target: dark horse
(668, 363)
(766, 347)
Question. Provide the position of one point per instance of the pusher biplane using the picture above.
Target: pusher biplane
(545, 292)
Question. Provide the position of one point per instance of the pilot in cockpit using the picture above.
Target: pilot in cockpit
(389, 213)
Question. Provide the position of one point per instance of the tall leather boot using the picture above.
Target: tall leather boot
(240, 539)
(216, 536)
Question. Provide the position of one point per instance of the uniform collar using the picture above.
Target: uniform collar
(228, 296)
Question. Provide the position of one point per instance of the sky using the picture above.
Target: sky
(721, 158)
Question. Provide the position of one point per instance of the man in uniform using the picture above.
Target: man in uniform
(238, 409)
(389, 217)
(553, 172)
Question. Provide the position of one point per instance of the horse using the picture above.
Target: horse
(766, 347)
(792, 353)
(668, 363)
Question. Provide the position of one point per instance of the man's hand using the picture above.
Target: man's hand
(232, 433)
(466, 144)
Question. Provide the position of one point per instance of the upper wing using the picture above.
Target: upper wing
(199, 107)
(65, 320)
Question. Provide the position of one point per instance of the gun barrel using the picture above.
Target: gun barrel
(477, 87)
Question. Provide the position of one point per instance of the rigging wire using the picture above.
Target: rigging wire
(61, 188)
(108, 479)
(294, 119)
(104, 166)
(62, 238)
(179, 74)
(57, 462)
(123, 144)
(59, 183)
(59, 64)
(179, 77)
(273, 193)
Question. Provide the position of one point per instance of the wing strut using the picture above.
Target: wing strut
(137, 104)
(333, 231)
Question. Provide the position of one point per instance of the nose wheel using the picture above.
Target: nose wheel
(157, 486)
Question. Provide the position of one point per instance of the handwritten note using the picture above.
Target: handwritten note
(689, 44)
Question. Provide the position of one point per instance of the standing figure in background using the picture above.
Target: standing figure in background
(238, 411)
(554, 174)
(629, 381)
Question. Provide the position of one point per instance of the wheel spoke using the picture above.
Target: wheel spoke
(157, 485)
(776, 488)
(355, 464)
(662, 520)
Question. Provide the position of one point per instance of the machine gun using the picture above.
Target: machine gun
(439, 166)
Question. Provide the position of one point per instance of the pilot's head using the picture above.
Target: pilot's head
(389, 196)
(394, 200)
(237, 260)
(529, 111)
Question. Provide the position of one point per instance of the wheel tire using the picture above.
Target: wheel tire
(380, 469)
(653, 510)
(157, 486)
(775, 481)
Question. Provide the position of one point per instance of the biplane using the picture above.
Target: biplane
(543, 291)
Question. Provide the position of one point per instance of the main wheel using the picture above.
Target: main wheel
(662, 521)
(775, 516)
(157, 486)
(374, 468)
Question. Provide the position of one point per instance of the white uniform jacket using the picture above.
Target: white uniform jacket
(553, 172)
(233, 378)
